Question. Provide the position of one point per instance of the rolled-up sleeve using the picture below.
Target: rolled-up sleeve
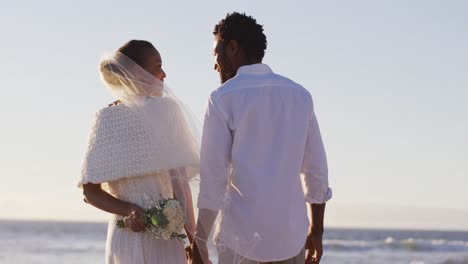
(215, 158)
(314, 167)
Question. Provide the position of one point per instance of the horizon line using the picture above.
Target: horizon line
(351, 227)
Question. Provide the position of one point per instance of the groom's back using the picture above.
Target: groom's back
(267, 116)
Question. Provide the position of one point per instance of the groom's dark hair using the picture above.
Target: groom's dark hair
(137, 50)
(245, 30)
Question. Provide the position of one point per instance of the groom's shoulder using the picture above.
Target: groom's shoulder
(291, 84)
(281, 79)
(224, 88)
(237, 83)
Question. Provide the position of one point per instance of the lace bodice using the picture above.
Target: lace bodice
(141, 190)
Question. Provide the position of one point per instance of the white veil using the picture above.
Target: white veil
(132, 84)
(137, 90)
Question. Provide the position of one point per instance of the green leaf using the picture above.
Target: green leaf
(154, 220)
(120, 224)
(159, 220)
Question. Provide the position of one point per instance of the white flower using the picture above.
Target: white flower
(169, 212)
(174, 215)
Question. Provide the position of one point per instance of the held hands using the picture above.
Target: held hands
(196, 254)
(193, 255)
(135, 219)
(188, 253)
(314, 249)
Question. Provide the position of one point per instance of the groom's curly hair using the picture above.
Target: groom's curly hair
(245, 30)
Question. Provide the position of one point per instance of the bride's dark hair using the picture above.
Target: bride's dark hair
(137, 50)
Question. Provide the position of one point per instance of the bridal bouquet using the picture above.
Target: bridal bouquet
(164, 219)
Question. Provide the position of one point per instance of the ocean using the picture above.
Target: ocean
(24, 242)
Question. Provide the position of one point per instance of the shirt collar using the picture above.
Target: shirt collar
(258, 68)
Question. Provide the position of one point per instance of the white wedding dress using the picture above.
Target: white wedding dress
(132, 160)
(123, 245)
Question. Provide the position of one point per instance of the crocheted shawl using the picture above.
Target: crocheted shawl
(121, 145)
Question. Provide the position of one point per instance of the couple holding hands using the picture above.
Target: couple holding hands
(257, 168)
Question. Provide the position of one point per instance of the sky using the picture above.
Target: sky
(388, 78)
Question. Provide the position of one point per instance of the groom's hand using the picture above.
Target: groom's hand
(314, 249)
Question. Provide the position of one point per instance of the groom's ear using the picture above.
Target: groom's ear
(233, 48)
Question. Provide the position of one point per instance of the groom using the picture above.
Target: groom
(260, 134)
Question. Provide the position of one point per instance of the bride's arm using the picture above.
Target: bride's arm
(183, 194)
(96, 196)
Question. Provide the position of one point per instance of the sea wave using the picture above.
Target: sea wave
(407, 244)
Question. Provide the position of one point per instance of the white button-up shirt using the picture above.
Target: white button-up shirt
(260, 135)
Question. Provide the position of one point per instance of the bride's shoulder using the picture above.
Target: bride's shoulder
(111, 110)
(109, 117)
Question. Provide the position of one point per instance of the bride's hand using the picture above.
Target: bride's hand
(188, 253)
(134, 220)
(199, 254)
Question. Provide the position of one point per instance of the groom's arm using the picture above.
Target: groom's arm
(314, 245)
(317, 215)
(205, 222)
(316, 189)
(215, 160)
(314, 166)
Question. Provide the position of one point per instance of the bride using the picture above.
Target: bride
(141, 148)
